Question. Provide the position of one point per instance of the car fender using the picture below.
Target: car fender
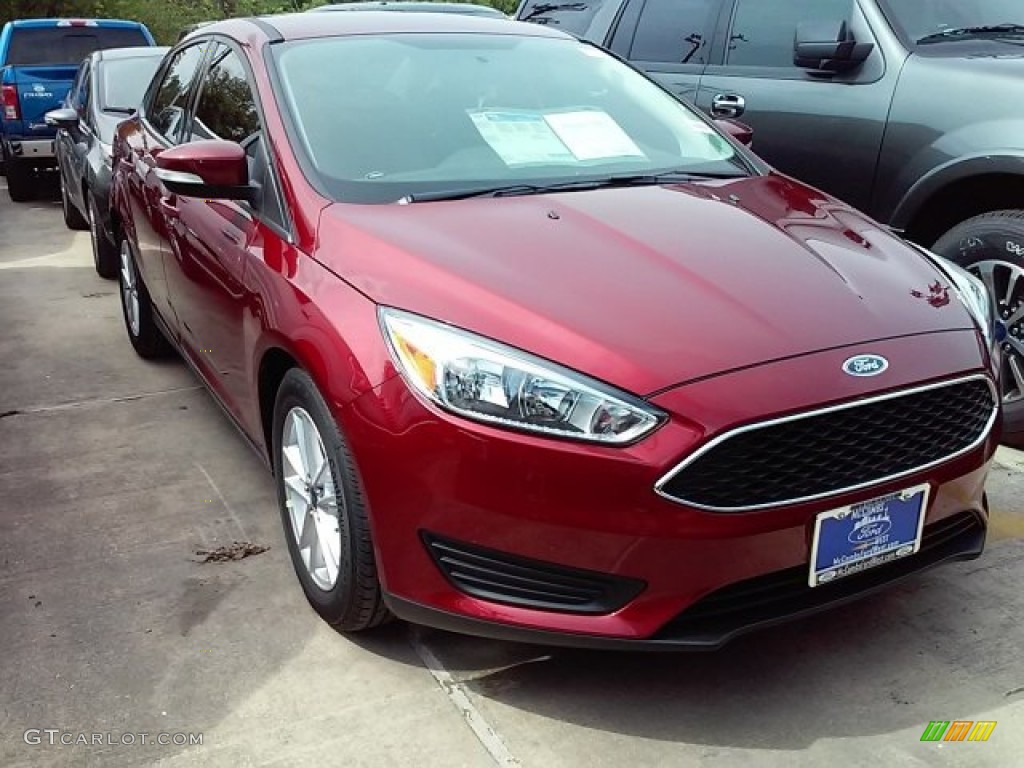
(920, 193)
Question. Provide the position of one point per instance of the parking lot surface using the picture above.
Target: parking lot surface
(115, 473)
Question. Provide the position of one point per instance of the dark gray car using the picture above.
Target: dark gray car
(107, 89)
(912, 110)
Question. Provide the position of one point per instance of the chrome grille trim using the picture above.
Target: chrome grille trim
(717, 441)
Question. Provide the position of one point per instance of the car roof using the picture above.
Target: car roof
(413, 6)
(300, 26)
(134, 52)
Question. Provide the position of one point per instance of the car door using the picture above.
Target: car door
(825, 130)
(70, 145)
(670, 40)
(211, 239)
(157, 127)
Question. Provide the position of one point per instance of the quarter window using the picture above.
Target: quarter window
(171, 100)
(673, 31)
(226, 109)
(763, 33)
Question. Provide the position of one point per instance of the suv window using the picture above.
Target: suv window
(226, 109)
(571, 17)
(762, 32)
(672, 31)
(171, 99)
(80, 89)
(44, 46)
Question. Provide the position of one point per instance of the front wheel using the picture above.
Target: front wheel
(143, 332)
(991, 246)
(323, 509)
(105, 256)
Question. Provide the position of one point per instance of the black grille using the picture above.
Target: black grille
(783, 594)
(828, 452)
(503, 578)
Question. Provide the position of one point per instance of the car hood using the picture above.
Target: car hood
(647, 287)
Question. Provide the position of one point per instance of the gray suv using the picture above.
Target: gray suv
(911, 110)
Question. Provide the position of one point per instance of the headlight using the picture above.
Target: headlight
(972, 293)
(483, 380)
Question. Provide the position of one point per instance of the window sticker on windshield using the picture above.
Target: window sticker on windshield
(523, 137)
(520, 138)
(592, 134)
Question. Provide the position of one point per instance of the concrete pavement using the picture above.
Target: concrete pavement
(114, 472)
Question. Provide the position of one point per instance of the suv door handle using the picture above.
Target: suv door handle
(728, 105)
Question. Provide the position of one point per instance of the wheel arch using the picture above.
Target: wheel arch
(274, 363)
(959, 191)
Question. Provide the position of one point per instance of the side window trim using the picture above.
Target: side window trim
(283, 223)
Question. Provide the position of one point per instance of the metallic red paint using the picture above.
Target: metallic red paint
(218, 163)
(724, 302)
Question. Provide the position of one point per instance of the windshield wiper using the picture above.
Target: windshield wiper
(511, 190)
(966, 33)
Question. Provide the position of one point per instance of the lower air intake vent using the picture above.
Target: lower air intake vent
(503, 578)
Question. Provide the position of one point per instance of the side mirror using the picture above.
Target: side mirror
(216, 170)
(65, 118)
(742, 132)
(828, 47)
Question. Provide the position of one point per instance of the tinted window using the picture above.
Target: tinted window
(171, 98)
(436, 112)
(226, 109)
(763, 32)
(573, 18)
(124, 82)
(673, 31)
(66, 45)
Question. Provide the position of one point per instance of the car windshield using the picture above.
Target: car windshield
(936, 21)
(384, 117)
(123, 82)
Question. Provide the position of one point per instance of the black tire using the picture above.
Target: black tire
(73, 218)
(147, 339)
(999, 237)
(20, 181)
(355, 602)
(105, 255)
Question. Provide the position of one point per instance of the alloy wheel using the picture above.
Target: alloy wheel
(1005, 284)
(311, 498)
(129, 288)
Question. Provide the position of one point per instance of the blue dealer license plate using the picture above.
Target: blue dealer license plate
(861, 536)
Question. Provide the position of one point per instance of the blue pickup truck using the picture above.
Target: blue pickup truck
(38, 62)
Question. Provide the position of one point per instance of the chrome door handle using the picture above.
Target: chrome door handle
(728, 105)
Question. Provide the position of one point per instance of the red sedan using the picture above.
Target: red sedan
(533, 349)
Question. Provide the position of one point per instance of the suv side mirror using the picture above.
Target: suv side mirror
(212, 169)
(828, 47)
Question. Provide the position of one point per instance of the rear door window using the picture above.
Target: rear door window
(48, 46)
(673, 31)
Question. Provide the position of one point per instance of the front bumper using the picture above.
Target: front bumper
(594, 508)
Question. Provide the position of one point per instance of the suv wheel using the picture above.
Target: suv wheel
(104, 253)
(991, 246)
(73, 219)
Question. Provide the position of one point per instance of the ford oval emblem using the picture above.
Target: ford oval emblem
(869, 529)
(865, 365)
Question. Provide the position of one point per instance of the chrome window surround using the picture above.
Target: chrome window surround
(819, 412)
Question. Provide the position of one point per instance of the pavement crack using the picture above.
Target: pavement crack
(95, 401)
